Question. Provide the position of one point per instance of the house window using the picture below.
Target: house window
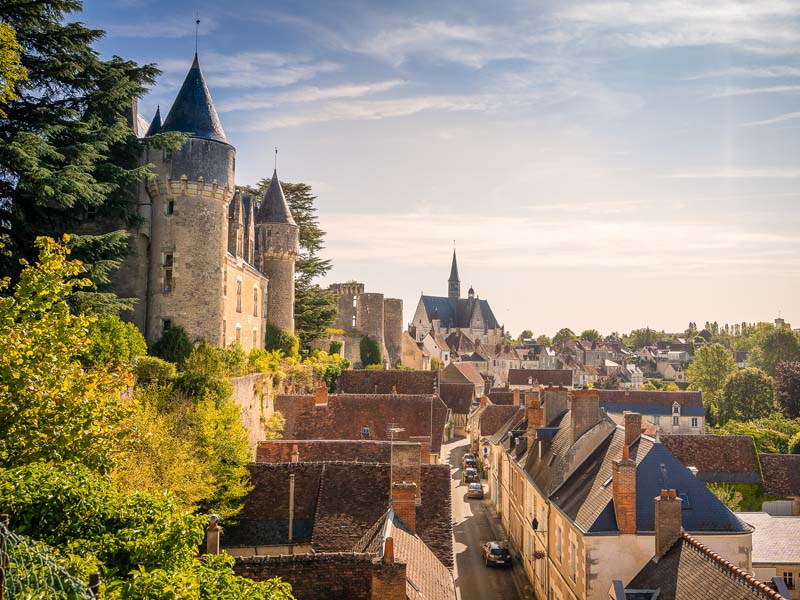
(166, 324)
(365, 432)
(676, 421)
(167, 266)
(558, 543)
(255, 301)
(238, 295)
(169, 207)
(788, 577)
(676, 410)
(694, 422)
(573, 560)
(239, 333)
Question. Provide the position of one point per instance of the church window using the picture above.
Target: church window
(238, 333)
(238, 295)
(167, 266)
(255, 302)
(169, 209)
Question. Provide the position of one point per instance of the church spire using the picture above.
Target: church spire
(193, 111)
(453, 284)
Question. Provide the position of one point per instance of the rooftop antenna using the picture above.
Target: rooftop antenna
(196, 30)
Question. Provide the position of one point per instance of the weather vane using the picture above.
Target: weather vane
(196, 30)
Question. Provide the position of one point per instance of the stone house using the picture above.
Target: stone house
(671, 412)
(435, 344)
(527, 378)
(574, 494)
(463, 372)
(414, 356)
(776, 552)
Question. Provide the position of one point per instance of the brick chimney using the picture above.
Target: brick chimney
(424, 442)
(295, 454)
(484, 400)
(668, 521)
(406, 459)
(584, 413)
(516, 397)
(633, 426)
(404, 502)
(321, 395)
(388, 550)
(535, 414)
(555, 400)
(623, 474)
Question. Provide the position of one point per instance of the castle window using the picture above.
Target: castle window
(238, 295)
(255, 301)
(167, 266)
(169, 209)
(166, 324)
(355, 301)
(238, 333)
(255, 338)
(224, 333)
(354, 321)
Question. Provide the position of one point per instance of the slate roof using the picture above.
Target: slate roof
(774, 538)
(345, 415)
(459, 343)
(718, 458)
(690, 571)
(494, 417)
(367, 381)
(336, 506)
(280, 451)
(193, 111)
(155, 124)
(561, 377)
(457, 397)
(274, 208)
(781, 474)
(652, 403)
(502, 397)
(458, 312)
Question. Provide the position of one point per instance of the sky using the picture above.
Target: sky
(599, 164)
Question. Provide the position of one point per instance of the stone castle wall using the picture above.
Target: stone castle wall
(253, 394)
(393, 329)
(277, 246)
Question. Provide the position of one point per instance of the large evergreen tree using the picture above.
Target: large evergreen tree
(67, 150)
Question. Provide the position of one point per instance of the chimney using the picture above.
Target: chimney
(406, 459)
(668, 521)
(388, 550)
(584, 413)
(424, 442)
(535, 414)
(321, 395)
(555, 400)
(516, 398)
(633, 427)
(404, 503)
(484, 400)
(295, 454)
(623, 473)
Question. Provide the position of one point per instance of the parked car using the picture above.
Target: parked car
(467, 457)
(470, 463)
(496, 553)
(471, 475)
(475, 490)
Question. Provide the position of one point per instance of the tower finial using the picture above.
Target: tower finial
(196, 30)
(276, 159)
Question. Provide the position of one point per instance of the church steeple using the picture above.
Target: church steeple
(193, 111)
(453, 284)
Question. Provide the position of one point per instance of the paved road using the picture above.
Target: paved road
(473, 525)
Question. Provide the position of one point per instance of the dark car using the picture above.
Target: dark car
(471, 475)
(470, 463)
(496, 553)
(475, 490)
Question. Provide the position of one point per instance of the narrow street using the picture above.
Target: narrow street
(472, 526)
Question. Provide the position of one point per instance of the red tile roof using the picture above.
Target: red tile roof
(781, 474)
(457, 397)
(280, 451)
(718, 458)
(369, 381)
(495, 416)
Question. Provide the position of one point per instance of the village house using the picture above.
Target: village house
(414, 356)
(463, 372)
(527, 378)
(437, 347)
(671, 412)
(572, 489)
(776, 551)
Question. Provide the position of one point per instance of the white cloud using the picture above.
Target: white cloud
(779, 119)
(766, 72)
(773, 89)
(737, 173)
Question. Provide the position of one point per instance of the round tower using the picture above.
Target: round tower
(189, 197)
(277, 247)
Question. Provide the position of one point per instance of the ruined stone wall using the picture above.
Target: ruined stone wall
(253, 394)
(393, 329)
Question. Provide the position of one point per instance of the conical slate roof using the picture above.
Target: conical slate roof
(193, 111)
(454, 269)
(274, 208)
(155, 124)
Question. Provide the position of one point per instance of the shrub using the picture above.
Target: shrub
(335, 347)
(151, 369)
(280, 339)
(370, 351)
(174, 346)
(114, 342)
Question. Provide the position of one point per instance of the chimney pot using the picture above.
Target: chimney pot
(664, 493)
(388, 550)
(672, 494)
(633, 426)
(626, 452)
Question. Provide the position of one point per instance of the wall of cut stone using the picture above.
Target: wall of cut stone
(253, 394)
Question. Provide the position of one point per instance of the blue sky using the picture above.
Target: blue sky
(599, 164)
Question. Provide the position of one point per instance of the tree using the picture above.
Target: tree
(544, 340)
(787, 388)
(777, 345)
(114, 342)
(282, 340)
(794, 444)
(11, 70)
(746, 395)
(526, 334)
(708, 372)
(370, 351)
(67, 151)
(51, 406)
(639, 338)
(173, 346)
(563, 335)
(591, 335)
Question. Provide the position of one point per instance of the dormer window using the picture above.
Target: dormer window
(676, 409)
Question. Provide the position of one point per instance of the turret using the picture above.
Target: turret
(453, 284)
(277, 247)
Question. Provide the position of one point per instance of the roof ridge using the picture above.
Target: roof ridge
(736, 571)
(317, 502)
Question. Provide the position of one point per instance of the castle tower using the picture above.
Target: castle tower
(453, 284)
(189, 197)
(277, 247)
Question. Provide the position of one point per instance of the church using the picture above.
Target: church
(469, 316)
(204, 256)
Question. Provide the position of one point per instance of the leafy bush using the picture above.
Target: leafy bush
(151, 369)
(114, 342)
(370, 351)
(771, 434)
(335, 347)
(174, 345)
(280, 339)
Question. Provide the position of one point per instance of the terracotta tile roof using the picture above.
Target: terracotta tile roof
(368, 381)
(495, 416)
(280, 451)
(426, 576)
(459, 372)
(781, 474)
(363, 416)
(652, 403)
(774, 538)
(505, 397)
(542, 376)
(690, 571)
(718, 458)
(457, 397)
(336, 505)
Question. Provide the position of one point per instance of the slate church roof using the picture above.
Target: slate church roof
(458, 313)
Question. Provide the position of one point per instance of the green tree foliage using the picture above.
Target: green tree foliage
(564, 335)
(11, 70)
(370, 351)
(771, 434)
(591, 335)
(639, 338)
(151, 369)
(51, 406)
(145, 545)
(114, 342)
(436, 363)
(66, 147)
(525, 335)
(794, 444)
(787, 388)
(708, 372)
(746, 395)
(774, 346)
(282, 340)
(335, 347)
(173, 346)
(544, 340)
